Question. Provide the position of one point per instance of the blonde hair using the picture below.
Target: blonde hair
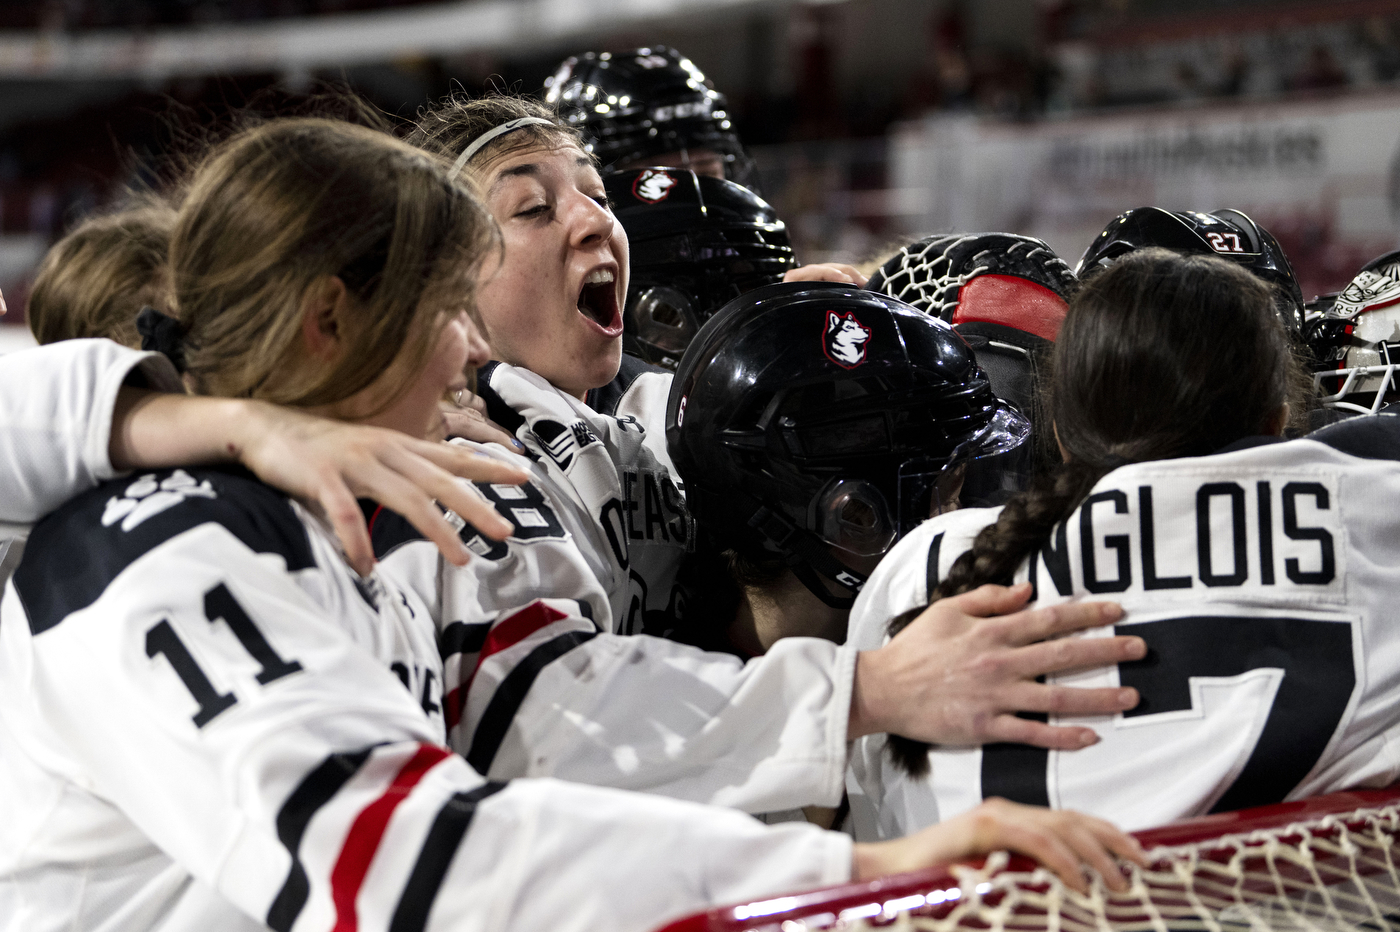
(95, 280)
(280, 207)
(450, 125)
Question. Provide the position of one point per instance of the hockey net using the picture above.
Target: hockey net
(1319, 865)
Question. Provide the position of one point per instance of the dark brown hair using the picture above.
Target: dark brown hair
(1161, 356)
(95, 280)
(279, 207)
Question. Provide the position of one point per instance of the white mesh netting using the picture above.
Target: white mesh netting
(929, 273)
(1325, 874)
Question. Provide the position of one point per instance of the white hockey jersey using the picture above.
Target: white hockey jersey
(1263, 580)
(210, 722)
(548, 688)
(532, 691)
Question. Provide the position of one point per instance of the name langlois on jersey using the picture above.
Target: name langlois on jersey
(1175, 534)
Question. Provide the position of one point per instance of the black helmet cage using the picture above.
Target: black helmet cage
(696, 243)
(643, 103)
(812, 416)
(1227, 233)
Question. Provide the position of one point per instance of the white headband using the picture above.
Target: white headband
(491, 134)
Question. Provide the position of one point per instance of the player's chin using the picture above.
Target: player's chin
(602, 365)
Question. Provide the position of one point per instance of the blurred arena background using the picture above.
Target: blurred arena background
(871, 120)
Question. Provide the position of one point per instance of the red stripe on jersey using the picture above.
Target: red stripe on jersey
(373, 518)
(513, 630)
(368, 830)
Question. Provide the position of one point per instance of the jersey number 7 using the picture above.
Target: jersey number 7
(1318, 678)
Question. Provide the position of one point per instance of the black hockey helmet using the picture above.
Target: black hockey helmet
(1227, 233)
(637, 105)
(696, 243)
(811, 421)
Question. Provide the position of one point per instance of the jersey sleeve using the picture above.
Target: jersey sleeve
(208, 698)
(56, 406)
(535, 685)
(644, 713)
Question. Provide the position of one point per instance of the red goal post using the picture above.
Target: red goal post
(1318, 865)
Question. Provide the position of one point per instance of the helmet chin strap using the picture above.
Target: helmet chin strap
(808, 558)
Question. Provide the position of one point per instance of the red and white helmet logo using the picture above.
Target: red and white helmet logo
(844, 339)
(653, 186)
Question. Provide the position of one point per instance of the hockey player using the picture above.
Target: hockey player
(207, 725)
(529, 694)
(1257, 569)
(815, 424)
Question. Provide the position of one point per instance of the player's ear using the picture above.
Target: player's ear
(324, 308)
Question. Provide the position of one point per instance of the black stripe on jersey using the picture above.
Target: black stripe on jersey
(500, 711)
(388, 530)
(71, 557)
(931, 567)
(445, 836)
(462, 638)
(496, 407)
(1372, 438)
(306, 800)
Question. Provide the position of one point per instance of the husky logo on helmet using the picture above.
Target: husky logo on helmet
(844, 339)
(653, 186)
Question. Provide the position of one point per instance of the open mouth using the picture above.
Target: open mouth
(597, 301)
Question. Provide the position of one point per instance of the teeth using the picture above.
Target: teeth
(599, 277)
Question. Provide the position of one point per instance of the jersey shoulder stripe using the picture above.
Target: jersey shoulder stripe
(1373, 438)
(497, 409)
(73, 555)
(388, 530)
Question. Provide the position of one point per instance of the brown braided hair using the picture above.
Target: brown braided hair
(1161, 356)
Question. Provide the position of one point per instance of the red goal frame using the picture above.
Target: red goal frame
(770, 913)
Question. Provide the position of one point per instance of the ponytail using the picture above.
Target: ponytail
(1160, 356)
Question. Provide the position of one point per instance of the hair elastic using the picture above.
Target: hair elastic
(490, 134)
(161, 333)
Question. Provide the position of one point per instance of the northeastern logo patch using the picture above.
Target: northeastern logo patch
(844, 339)
(653, 186)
